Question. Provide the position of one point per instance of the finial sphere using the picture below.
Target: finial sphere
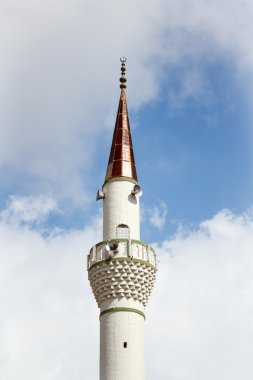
(123, 73)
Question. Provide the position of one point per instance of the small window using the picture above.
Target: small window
(125, 344)
(122, 231)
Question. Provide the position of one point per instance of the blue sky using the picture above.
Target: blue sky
(200, 153)
(192, 154)
(189, 94)
(189, 111)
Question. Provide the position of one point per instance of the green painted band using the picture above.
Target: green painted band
(128, 309)
(128, 179)
(123, 259)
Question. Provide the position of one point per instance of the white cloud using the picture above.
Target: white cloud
(60, 85)
(201, 312)
(157, 214)
(28, 209)
(199, 319)
(47, 314)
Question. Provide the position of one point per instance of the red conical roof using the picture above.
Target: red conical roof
(121, 161)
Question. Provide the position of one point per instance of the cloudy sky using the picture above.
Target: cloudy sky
(190, 81)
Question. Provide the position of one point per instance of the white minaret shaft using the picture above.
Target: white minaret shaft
(121, 268)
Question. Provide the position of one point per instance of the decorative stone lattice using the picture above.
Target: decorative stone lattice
(124, 278)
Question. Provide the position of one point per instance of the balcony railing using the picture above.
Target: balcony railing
(125, 248)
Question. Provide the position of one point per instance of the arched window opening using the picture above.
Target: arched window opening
(122, 231)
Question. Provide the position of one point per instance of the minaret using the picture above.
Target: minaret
(121, 268)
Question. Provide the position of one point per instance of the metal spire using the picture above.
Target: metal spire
(121, 161)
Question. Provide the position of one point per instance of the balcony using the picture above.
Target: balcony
(122, 248)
